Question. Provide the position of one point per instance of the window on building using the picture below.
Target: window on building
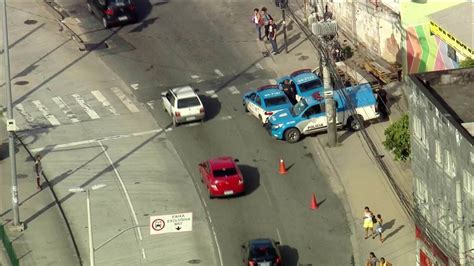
(452, 53)
(449, 165)
(467, 182)
(422, 198)
(443, 214)
(438, 155)
(417, 127)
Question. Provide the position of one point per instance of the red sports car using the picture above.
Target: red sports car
(222, 177)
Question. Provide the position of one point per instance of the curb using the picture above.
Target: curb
(338, 187)
(60, 14)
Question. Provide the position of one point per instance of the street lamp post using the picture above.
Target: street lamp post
(89, 217)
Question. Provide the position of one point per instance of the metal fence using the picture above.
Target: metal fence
(8, 247)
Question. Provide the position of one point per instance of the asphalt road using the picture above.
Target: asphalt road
(211, 45)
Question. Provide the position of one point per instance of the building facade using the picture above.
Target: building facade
(441, 124)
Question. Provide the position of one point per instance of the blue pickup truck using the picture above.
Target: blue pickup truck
(309, 114)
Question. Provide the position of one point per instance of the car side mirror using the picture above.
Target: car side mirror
(196, 90)
(277, 243)
(236, 160)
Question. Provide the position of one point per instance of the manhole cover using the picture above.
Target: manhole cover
(145, 214)
(22, 176)
(21, 82)
(195, 261)
(30, 22)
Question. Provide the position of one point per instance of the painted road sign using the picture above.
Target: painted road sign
(172, 223)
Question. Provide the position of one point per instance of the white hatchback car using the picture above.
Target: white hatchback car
(183, 104)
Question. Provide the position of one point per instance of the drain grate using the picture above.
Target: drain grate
(194, 261)
(30, 21)
(21, 82)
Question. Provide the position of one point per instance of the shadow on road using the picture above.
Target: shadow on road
(289, 255)
(212, 106)
(251, 178)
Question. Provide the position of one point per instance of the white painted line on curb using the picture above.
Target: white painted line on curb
(101, 98)
(124, 189)
(279, 236)
(51, 118)
(218, 72)
(125, 100)
(90, 141)
(143, 254)
(151, 104)
(66, 109)
(134, 86)
(89, 111)
(233, 90)
(29, 118)
(259, 66)
(77, 20)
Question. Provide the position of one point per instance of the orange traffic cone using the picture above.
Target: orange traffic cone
(314, 203)
(282, 169)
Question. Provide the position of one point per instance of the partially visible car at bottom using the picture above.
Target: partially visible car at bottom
(265, 101)
(262, 251)
(113, 12)
(183, 104)
(222, 177)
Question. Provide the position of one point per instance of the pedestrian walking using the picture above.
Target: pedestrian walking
(38, 171)
(258, 21)
(272, 35)
(372, 261)
(383, 262)
(368, 222)
(266, 21)
(379, 228)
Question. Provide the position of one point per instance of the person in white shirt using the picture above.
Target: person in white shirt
(258, 21)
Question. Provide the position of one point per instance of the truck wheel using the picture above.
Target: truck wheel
(245, 107)
(261, 119)
(292, 135)
(354, 124)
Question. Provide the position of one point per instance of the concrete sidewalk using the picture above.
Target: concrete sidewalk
(355, 175)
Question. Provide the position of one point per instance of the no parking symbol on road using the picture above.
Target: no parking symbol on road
(172, 223)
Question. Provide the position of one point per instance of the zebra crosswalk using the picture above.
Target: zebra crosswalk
(73, 108)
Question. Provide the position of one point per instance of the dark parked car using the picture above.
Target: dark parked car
(113, 12)
(261, 252)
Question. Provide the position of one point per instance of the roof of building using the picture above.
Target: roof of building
(451, 91)
(458, 21)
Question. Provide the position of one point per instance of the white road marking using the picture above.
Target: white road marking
(214, 96)
(19, 107)
(125, 100)
(168, 129)
(134, 86)
(143, 254)
(89, 111)
(124, 189)
(233, 90)
(51, 118)
(257, 65)
(77, 20)
(272, 81)
(267, 194)
(66, 109)
(227, 117)
(212, 93)
(219, 73)
(279, 236)
(194, 76)
(192, 124)
(151, 104)
(101, 98)
(89, 141)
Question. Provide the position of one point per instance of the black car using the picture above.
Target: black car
(113, 12)
(261, 252)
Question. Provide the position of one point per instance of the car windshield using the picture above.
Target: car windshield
(224, 172)
(274, 101)
(188, 102)
(310, 85)
(262, 250)
(299, 107)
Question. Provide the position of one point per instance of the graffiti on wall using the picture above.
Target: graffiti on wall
(426, 52)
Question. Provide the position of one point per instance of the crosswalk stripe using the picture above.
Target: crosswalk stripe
(151, 104)
(101, 98)
(125, 100)
(92, 114)
(218, 72)
(233, 90)
(259, 66)
(51, 118)
(65, 108)
(19, 107)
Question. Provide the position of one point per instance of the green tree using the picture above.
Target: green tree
(468, 62)
(397, 138)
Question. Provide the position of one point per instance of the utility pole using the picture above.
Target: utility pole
(10, 121)
(460, 222)
(282, 7)
(330, 106)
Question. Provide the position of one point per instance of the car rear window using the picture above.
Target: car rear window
(274, 101)
(118, 2)
(188, 102)
(310, 85)
(224, 172)
(262, 250)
